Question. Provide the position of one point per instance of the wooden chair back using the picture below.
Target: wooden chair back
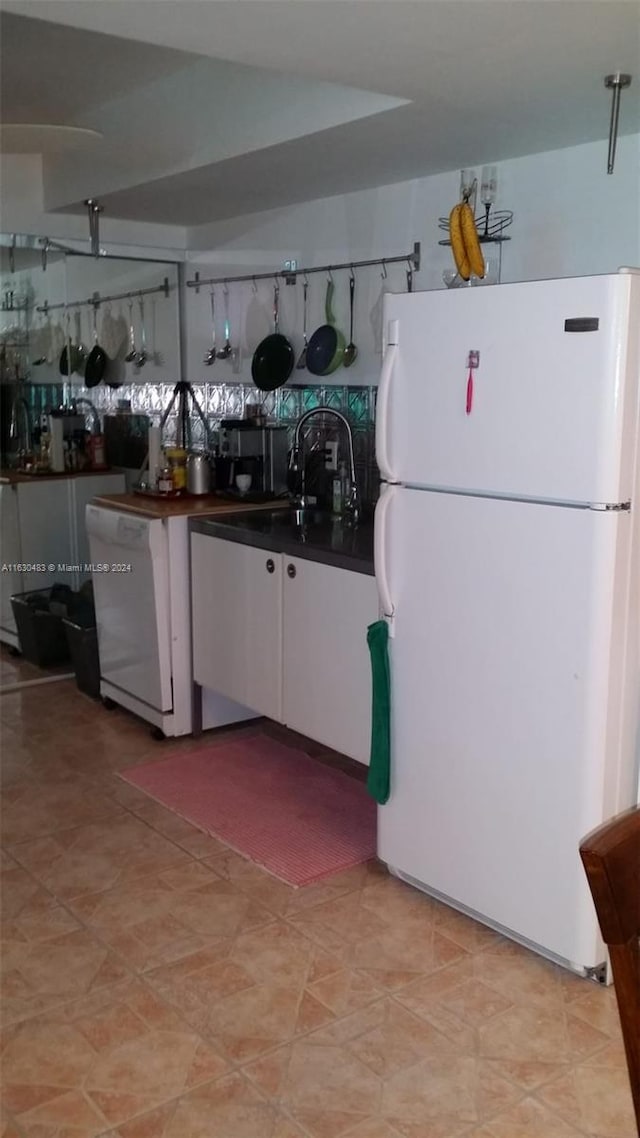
(611, 858)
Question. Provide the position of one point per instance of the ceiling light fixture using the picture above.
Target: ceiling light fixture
(45, 138)
(615, 83)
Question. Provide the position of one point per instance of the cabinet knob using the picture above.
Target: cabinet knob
(270, 565)
(291, 570)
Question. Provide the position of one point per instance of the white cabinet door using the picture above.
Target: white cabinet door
(45, 525)
(10, 580)
(327, 675)
(237, 622)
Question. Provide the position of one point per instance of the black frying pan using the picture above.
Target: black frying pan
(274, 358)
(97, 359)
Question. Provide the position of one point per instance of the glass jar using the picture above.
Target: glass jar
(165, 480)
(177, 459)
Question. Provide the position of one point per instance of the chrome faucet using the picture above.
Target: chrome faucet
(95, 426)
(21, 430)
(297, 458)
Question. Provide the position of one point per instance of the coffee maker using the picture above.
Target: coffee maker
(248, 448)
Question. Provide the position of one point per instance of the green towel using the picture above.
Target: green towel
(379, 767)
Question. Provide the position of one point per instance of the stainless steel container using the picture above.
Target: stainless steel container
(198, 474)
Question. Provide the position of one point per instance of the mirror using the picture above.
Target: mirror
(57, 303)
(47, 309)
(23, 286)
(136, 317)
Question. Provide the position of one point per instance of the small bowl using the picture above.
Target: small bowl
(243, 482)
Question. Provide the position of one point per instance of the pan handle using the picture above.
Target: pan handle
(276, 297)
(328, 304)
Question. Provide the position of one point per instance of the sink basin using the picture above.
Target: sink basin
(300, 518)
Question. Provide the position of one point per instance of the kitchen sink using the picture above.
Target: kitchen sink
(301, 517)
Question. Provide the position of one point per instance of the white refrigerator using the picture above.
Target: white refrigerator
(507, 550)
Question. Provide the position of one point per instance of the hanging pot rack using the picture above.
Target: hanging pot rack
(412, 260)
(96, 300)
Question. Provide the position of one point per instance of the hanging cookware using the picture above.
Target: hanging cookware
(133, 351)
(274, 357)
(142, 356)
(326, 347)
(351, 350)
(226, 350)
(302, 359)
(210, 357)
(72, 356)
(96, 364)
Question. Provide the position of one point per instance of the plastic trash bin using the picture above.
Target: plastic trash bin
(41, 634)
(83, 649)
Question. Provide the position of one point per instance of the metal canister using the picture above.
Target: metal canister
(198, 474)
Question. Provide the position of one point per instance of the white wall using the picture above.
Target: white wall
(570, 218)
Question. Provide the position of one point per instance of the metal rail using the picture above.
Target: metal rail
(96, 300)
(289, 275)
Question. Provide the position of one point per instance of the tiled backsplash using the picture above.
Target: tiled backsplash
(227, 401)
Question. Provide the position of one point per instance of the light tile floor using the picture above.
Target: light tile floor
(156, 985)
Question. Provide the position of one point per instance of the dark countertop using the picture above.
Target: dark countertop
(332, 542)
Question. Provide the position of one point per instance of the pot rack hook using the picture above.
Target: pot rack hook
(254, 285)
(329, 275)
(384, 274)
(615, 83)
(352, 274)
(409, 276)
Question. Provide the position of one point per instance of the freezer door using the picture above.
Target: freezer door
(511, 738)
(554, 409)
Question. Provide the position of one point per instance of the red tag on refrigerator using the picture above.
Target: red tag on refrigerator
(470, 391)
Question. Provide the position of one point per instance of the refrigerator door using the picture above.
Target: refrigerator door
(554, 409)
(511, 738)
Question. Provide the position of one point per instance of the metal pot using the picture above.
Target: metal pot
(198, 474)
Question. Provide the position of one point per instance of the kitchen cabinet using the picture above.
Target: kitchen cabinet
(43, 524)
(326, 669)
(285, 636)
(237, 622)
(10, 546)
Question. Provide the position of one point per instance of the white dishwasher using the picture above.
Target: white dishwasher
(130, 569)
(142, 588)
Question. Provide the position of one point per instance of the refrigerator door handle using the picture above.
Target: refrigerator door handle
(379, 554)
(382, 412)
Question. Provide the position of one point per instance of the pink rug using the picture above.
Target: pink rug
(299, 819)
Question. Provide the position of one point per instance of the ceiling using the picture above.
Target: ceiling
(212, 109)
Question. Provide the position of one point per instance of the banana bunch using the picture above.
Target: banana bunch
(465, 245)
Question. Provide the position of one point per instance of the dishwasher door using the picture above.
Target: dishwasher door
(130, 572)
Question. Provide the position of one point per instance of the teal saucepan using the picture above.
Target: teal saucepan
(325, 350)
